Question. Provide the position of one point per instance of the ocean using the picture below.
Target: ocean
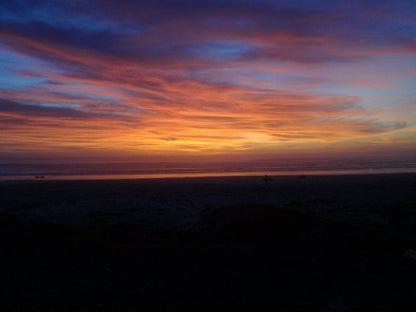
(149, 170)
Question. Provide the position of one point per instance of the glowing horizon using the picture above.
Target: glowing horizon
(189, 78)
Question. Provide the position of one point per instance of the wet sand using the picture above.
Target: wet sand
(315, 243)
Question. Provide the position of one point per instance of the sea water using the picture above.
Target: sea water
(149, 170)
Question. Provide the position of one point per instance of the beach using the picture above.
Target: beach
(298, 243)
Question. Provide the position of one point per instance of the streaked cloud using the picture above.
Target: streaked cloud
(204, 76)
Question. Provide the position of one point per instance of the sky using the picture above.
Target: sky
(104, 79)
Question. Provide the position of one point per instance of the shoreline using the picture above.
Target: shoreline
(86, 177)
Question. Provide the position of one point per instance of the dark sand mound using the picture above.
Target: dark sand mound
(260, 223)
(235, 257)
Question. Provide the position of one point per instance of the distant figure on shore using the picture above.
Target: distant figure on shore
(267, 179)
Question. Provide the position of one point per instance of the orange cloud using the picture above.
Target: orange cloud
(212, 82)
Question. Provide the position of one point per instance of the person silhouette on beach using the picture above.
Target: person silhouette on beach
(267, 179)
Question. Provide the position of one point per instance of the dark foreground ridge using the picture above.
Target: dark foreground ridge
(235, 257)
(241, 256)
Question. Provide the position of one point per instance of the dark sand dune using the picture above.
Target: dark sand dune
(297, 254)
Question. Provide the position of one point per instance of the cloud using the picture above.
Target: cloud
(382, 127)
(185, 34)
(165, 75)
(37, 110)
(169, 139)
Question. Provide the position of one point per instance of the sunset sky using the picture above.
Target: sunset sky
(152, 79)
